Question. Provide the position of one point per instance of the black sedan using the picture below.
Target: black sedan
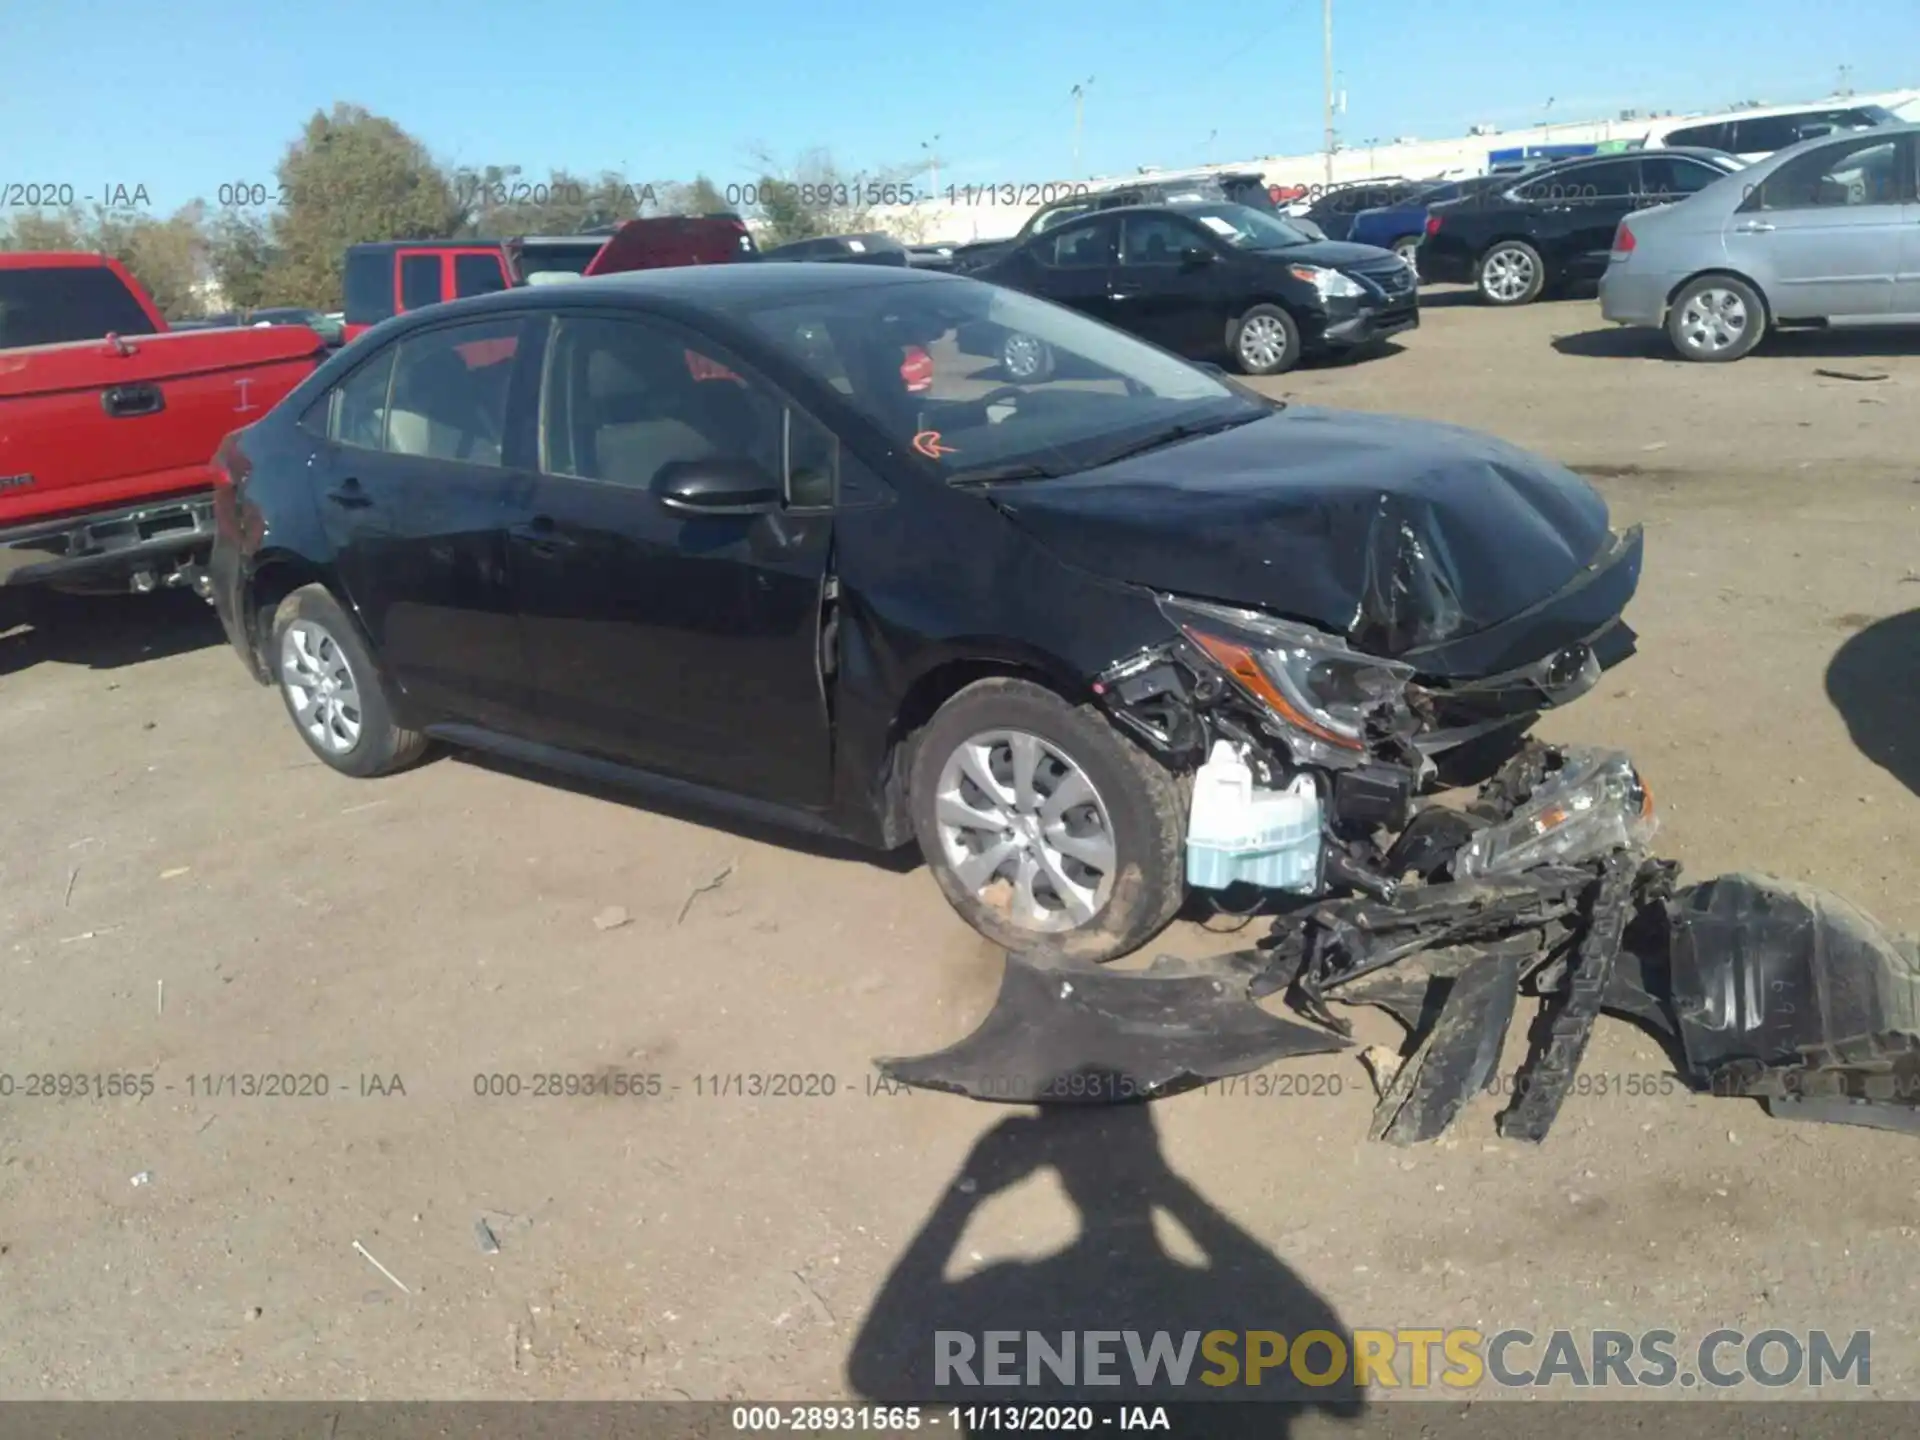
(870, 248)
(1206, 279)
(1555, 226)
(690, 529)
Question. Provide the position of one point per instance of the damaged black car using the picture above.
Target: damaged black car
(768, 537)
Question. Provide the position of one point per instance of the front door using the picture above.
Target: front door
(1826, 232)
(1161, 292)
(417, 488)
(679, 642)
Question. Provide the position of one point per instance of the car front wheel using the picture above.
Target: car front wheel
(1264, 341)
(332, 690)
(1715, 319)
(1511, 273)
(1044, 826)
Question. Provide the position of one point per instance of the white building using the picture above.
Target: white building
(939, 221)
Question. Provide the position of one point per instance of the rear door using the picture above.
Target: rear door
(422, 469)
(1072, 265)
(1591, 202)
(677, 641)
(480, 271)
(1161, 295)
(1826, 233)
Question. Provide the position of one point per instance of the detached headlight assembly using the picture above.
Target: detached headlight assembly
(1331, 284)
(1595, 803)
(1318, 688)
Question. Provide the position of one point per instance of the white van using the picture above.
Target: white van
(1757, 133)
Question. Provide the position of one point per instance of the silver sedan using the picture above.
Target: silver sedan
(1826, 231)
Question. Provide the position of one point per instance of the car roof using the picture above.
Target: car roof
(1765, 112)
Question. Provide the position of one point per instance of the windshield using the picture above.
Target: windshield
(1018, 388)
(1245, 228)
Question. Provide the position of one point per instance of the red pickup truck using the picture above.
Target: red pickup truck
(109, 423)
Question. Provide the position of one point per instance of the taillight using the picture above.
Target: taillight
(1433, 224)
(1623, 241)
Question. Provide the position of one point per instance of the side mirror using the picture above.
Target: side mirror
(728, 486)
(1196, 256)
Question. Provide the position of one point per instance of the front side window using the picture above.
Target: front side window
(55, 304)
(1084, 247)
(1053, 219)
(450, 389)
(623, 399)
(1104, 393)
(1858, 172)
(1155, 240)
(812, 462)
(419, 281)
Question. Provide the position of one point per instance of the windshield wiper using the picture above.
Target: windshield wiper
(994, 474)
(1172, 434)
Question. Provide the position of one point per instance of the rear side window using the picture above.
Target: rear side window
(1777, 132)
(477, 275)
(1706, 137)
(52, 305)
(1085, 247)
(1154, 240)
(369, 287)
(419, 281)
(450, 388)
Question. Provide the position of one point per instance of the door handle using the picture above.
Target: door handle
(349, 496)
(543, 537)
(123, 402)
(1754, 227)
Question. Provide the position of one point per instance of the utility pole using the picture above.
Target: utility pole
(1846, 81)
(1079, 102)
(1327, 27)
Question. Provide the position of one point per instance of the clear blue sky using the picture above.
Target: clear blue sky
(183, 95)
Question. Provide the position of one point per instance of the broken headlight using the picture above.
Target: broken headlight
(1319, 689)
(1593, 804)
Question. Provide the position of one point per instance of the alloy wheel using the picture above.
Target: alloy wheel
(1015, 810)
(1507, 274)
(1713, 320)
(321, 686)
(1263, 342)
(1022, 357)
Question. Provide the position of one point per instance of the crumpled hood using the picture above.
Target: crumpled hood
(1394, 533)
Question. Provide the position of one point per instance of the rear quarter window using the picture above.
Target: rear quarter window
(56, 304)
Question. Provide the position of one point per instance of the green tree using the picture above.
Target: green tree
(699, 196)
(168, 257)
(352, 176)
(46, 230)
(241, 256)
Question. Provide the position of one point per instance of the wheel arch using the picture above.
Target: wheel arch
(275, 574)
(938, 683)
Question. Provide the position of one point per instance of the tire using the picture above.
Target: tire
(1715, 319)
(1264, 341)
(1135, 805)
(345, 718)
(1510, 273)
(1025, 359)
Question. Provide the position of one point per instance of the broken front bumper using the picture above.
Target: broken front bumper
(1542, 890)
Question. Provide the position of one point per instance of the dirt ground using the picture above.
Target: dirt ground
(185, 894)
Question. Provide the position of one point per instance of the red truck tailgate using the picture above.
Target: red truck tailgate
(93, 422)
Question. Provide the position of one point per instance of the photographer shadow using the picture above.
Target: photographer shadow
(1116, 1276)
